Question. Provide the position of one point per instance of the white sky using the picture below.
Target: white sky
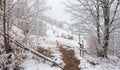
(58, 10)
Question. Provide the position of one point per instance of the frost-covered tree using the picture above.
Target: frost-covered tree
(101, 13)
(27, 13)
(37, 26)
(87, 13)
(108, 21)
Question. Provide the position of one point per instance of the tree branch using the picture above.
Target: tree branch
(114, 13)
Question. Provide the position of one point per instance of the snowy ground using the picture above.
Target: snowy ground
(31, 64)
(103, 64)
(49, 42)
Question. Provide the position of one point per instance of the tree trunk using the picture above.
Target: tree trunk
(6, 42)
(1, 6)
(106, 11)
(98, 28)
(98, 23)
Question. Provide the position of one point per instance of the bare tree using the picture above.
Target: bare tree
(37, 25)
(6, 40)
(1, 4)
(99, 10)
(107, 23)
(93, 9)
(27, 12)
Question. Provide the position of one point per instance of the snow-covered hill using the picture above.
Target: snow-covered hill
(56, 36)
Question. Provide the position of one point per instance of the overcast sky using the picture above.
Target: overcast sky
(58, 10)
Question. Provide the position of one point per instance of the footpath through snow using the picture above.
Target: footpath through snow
(50, 42)
(86, 63)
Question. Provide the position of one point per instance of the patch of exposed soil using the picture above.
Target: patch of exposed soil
(71, 62)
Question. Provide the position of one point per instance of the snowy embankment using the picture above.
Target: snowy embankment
(101, 64)
(49, 42)
(31, 64)
(96, 63)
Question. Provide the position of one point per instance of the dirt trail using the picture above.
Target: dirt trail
(71, 62)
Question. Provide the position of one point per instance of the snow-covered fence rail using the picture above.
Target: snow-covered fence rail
(82, 50)
(31, 50)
